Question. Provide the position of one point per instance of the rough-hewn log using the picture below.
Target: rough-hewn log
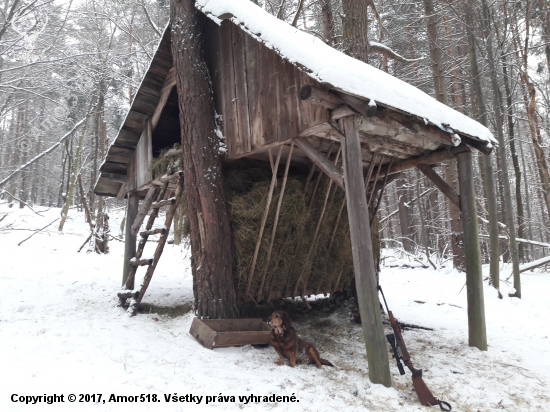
(173, 178)
(428, 159)
(341, 111)
(440, 184)
(318, 129)
(145, 206)
(161, 230)
(477, 335)
(141, 262)
(128, 294)
(129, 238)
(163, 203)
(363, 258)
(363, 107)
(321, 161)
(320, 97)
(388, 123)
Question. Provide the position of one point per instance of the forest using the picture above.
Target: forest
(69, 70)
(457, 228)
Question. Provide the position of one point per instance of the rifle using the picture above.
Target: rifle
(400, 353)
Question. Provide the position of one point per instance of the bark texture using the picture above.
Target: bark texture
(210, 232)
(355, 29)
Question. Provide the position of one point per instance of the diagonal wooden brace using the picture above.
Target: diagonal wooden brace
(440, 184)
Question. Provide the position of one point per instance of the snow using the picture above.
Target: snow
(328, 65)
(61, 333)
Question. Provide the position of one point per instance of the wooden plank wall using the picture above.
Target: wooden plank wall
(260, 89)
(144, 156)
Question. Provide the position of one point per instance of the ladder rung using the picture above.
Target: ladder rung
(141, 262)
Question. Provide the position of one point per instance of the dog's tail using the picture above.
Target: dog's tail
(325, 362)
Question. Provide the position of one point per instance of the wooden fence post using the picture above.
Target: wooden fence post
(129, 238)
(363, 259)
(477, 335)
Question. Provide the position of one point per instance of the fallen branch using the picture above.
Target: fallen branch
(39, 230)
(521, 240)
(3, 191)
(534, 264)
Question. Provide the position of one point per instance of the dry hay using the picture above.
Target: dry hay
(160, 164)
(325, 270)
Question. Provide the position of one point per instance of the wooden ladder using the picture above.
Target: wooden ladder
(155, 199)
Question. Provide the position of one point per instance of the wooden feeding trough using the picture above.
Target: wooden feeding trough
(219, 333)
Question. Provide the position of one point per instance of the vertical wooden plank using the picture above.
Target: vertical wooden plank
(254, 89)
(129, 238)
(230, 127)
(149, 148)
(477, 335)
(241, 94)
(269, 95)
(142, 159)
(363, 258)
(284, 114)
(291, 99)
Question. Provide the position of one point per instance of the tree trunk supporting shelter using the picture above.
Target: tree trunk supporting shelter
(363, 258)
(211, 245)
(477, 335)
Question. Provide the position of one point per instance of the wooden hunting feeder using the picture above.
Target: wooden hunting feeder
(220, 333)
(288, 99)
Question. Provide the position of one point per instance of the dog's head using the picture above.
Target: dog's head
(279, 319)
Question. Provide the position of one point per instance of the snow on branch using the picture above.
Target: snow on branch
(380, 48)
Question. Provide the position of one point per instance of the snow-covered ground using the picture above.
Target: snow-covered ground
(61, 333)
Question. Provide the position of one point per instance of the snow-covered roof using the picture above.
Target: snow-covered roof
(344, 73)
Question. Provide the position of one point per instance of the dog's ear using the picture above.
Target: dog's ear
(286, 319)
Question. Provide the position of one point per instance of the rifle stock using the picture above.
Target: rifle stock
(425, 396)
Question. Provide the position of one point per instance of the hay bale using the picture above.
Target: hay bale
(248, 185)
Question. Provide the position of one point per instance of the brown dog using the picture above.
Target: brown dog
(288, 345)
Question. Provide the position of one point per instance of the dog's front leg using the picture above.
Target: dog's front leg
(281, 360)
(292, 357)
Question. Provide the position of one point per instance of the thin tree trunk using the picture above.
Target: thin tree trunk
(489, 181)
(210, 231)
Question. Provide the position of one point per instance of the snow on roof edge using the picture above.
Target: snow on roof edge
(344, 73)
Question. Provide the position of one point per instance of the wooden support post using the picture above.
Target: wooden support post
(363, 258)
(477, 335)
(129, 238)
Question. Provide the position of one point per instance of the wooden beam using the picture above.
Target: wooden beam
(440, 184)
(169, 83)
(363, 259)
(427, 159)
(117, 178)
(361, 106)
(315, 130)
(477, 335)
(398, 125)
(262, 149)
(321, 97)
(321, 161)
(129, 238)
